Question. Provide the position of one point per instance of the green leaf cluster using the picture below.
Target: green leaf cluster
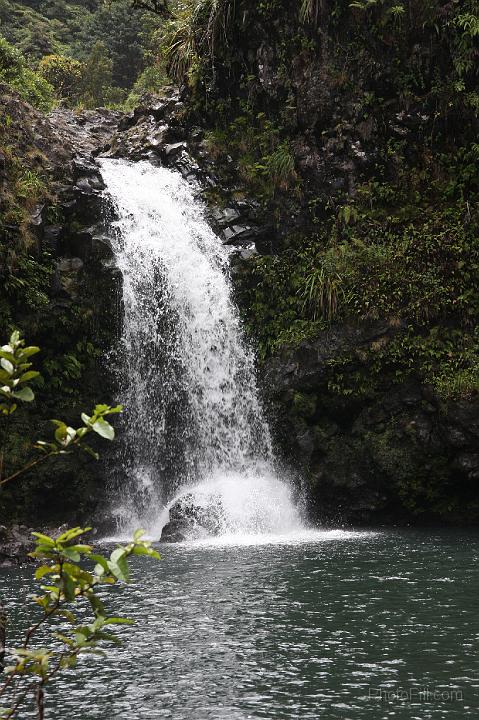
(15, 373)
(15, 72)
(71, 574)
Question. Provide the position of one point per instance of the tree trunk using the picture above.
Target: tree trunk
(40, 702)
(3, 623)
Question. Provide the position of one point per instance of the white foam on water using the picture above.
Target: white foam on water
(242, 503)
(294, 537)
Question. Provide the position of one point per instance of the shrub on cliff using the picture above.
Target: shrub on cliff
(64, 73)
(15, 72)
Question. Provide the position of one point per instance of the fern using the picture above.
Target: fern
(321, 292)
(281, 167)
(197, 26)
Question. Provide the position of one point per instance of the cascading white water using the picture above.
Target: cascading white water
(193, 422)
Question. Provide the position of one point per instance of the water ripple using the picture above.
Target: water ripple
(301, 628)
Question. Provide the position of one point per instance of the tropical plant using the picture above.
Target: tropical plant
(196, 29)
(281, 166)
(16, 378)
(69, 595)
(322, 290)
(467, 25)
(71, 591)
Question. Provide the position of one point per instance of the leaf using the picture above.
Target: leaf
(71, 617)
(64, 638)
(108, 637)
(45, 447)
(143, 550)
(30, 375)
(69, 661)
(99, 409)
(46, 540)
(71, 554)
(64, 434)
(80, 548)
(138, 534)
(25, 394)
(72, 533)
(7, 355)
(100, 560)
(90, 451)
(44, 570)
(118, 621)
(118, 565)
(7, 365)
(104, 429)
(96, 604)
(118, 554)
(68, 587)
(32, 350)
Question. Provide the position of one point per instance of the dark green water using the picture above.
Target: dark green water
(341, 625)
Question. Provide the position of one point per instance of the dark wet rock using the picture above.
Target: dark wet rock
(188, 519)
(398, 453)
(172, 149)
(15, 544)
(36, 216)
(175, 532)
(81, 307)
(223, 217)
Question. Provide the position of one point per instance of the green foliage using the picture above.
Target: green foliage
(72, 589)
(324, 288)
(413, 265)
(460, 383)
(125, 35)
(152, 80)
(197, 29)
(71, 607)
(270, 291)
(467, 25)
(280, 166)
(64, 74)
(16, 376)
(97, 76)
(265, 159)
(309, 10)
(60, 34)
(32, 87)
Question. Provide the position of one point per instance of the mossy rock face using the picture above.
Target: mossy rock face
(365, 297)
(397, 455)
(60, 290)
(304, 405)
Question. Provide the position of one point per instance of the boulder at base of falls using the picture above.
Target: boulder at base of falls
(190, 519)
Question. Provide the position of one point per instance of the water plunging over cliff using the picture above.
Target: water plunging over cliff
(193, 419)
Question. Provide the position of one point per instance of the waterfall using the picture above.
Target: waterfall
(193, 421)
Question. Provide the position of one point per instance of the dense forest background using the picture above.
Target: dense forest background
(91, 53)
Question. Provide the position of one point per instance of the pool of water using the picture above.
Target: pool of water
(318, 625)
